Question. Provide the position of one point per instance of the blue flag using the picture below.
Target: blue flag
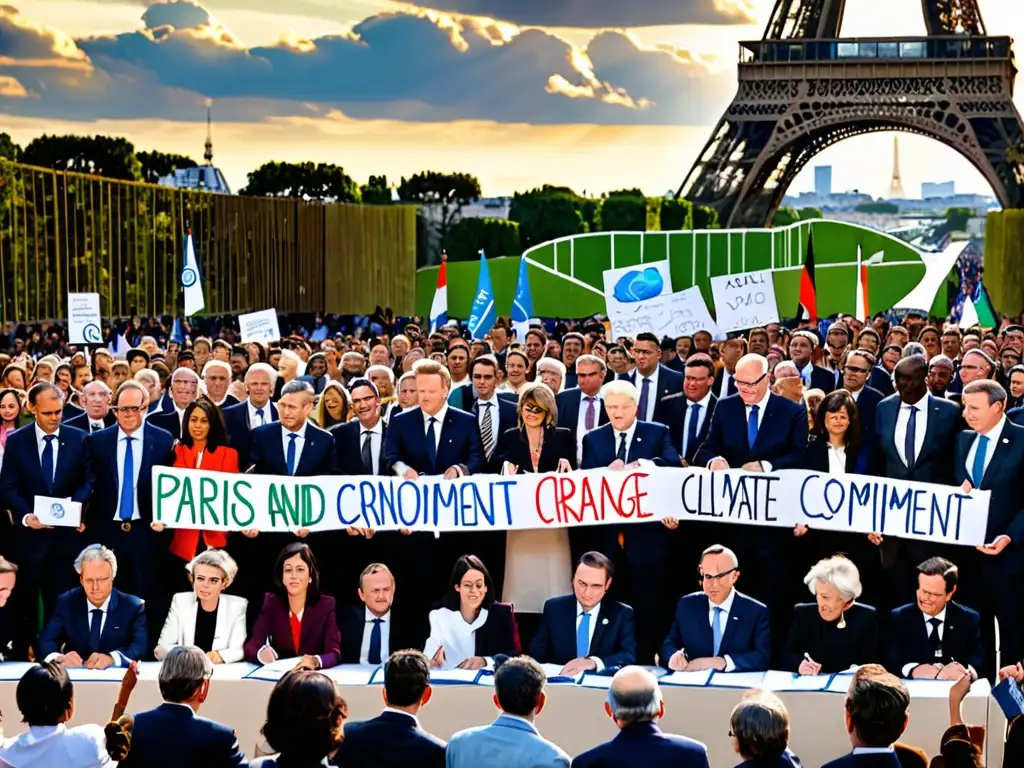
(522, 305)
(177, 333)
(482, 316)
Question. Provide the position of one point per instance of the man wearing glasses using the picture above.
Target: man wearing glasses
(581, 409)
(740, 636)
(653, 380)
(856, 371)
(119, 471)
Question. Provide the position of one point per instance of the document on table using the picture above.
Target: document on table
(150, 670)
(275, 670)
(554, 674)
(354, 674)
(774, 680)
(939, 689)
(697, 679)
(737, 679)
(592, 680)
(455, 676)
(108, 675)
(841, 683)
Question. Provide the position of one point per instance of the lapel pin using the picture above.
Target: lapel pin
(639, 439)
(1005, 440)
(604, 621)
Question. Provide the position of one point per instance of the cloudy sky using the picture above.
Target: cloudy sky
(594, 94)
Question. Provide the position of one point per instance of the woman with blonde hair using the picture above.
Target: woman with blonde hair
(332, 408)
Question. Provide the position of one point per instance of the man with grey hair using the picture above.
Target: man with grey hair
(217, 377)
(97, 626)
(184, 388)
(788, 383)
(256, 411)
(759, 728)
(174, 734)
(95, 400)
(634, 704)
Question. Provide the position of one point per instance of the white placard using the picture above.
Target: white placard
(629, 291)
(744, 301)
(84, 326)
(672, 314)
(58, 512)
(259, 326)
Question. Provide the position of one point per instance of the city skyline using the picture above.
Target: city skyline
(595, 99)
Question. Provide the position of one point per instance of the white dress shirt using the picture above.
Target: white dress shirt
(300, 442)
(58, 745)
(702, 414)
(122, 445)
(902, 419)
(376, 440)
(595, 614)
(805, 373)
(652, 392)
(385, 637)
(990, 449)
(450, 631)
(836, 459)
(181, 418)
(254, 418)
(581, 422)
(726, 607)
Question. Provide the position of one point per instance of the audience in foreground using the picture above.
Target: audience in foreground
(305, 717)
(759, 729)
(877, 713)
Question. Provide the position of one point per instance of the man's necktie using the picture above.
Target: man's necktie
(645, 392)
(432, 443)
(716, 629)
(934, 643)
(373, 656)
(95, 426)
(978, 469)
(94, 629)
(620, 455)
(591, 416)
(487, 430)
(583, 636)
(290, 459)
(46, 462)
(262, 415)
(691, 431)
(910, 444)
(752, 427)
(127, 509)
(367, 452)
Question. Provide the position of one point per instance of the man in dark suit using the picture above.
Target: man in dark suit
(573, 345)
(877, 712)
(935, 637)
(119, 472)
(580, 408)
(95, 625)
(856, 371)
(96, 415)
(44, 459)
(730, 354)
(627, 442)
(586, 630)
(370, 632)
(976, 366)
(688, 414)
(184, 389)
(395, 737)
(257, 411)
(640, 741)
(718, 628)
(653, 380)
(801, 349)
(493, 413)
(174, 734)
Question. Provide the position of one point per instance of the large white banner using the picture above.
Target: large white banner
(189, 498)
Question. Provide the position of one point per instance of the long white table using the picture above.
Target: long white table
(574, 717)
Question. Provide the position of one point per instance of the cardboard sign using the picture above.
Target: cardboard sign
(744, 301)
(259, 326)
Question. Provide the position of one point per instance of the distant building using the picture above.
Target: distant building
(941, 189)
(823, 180)
(206, 177)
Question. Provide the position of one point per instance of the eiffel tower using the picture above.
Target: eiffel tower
(802, 88)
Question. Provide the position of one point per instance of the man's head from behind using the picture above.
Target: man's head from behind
(877, 706)
(759, 726)
(407, 680)
(519, 687)
(185, 676)
(45, 695)
(634, 697)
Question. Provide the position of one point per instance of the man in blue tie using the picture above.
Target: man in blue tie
(369, 631)
(255, 412)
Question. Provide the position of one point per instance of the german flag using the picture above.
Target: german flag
(807, 309)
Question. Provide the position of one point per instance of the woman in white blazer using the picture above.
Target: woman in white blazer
(206, 617)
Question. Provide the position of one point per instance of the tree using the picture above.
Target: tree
(376, 191)
(496, 237)
(154, 165)
(545, 214)
(109, 156)
(806, 214)
(445, 193)
(8, 149)
(879, 206)
(705, 217)
(624, 213)
(305, 181)
(676, 214)
(785, 216)
(957, 218)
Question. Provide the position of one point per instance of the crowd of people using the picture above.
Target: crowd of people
(912, 402)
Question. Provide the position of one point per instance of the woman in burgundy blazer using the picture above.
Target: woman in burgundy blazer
(296, 620)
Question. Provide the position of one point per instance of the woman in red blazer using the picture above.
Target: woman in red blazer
(203, 445)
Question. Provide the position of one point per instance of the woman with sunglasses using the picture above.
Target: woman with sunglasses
(537, 562)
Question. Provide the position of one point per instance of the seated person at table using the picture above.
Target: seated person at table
(935, 638)
(835, 633)
(94, 625)
(46, 700)
(586, 630)
(296, 620)
(877, 713)
(204, 617)
(14, 640)
(470, 628)
(173, 734)
(369, 631)
(718, 628)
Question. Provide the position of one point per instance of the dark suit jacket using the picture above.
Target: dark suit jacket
(650, 441)
(172, 735)
(934, 464)
(716, 387)
(353, 625)
(645, 744)
(101, 470)
(613, 643)
(1006, 481)
(124, 630)
(672, 413)
(459, 443)
(267, 455)
(169, 422)
(81, 421)
(781, 437)
(1016, 415)
(236, 420)
(390, 740)
(823, 379)
(746, 639)
(816, 458)
(669, 382)
(348, 449)
(514, 447)
(318, 636)
(867, 413)
(881, 380)
(835, 649)
(499, 634)
(876, 760)
(465, 398)
(568, 403)
(21, 479)
(907, 638)
(15, 637)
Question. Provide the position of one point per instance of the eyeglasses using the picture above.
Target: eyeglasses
(716, 576)
(852, 369)
(751, 384)
(534, 409)
(128, 409)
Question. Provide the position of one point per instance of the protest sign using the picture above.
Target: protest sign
(84, 318)
(189, 498)
(259, 326)
(672, 314)
(744, 301)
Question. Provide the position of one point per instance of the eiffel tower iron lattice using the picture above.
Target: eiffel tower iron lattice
(803, 88)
